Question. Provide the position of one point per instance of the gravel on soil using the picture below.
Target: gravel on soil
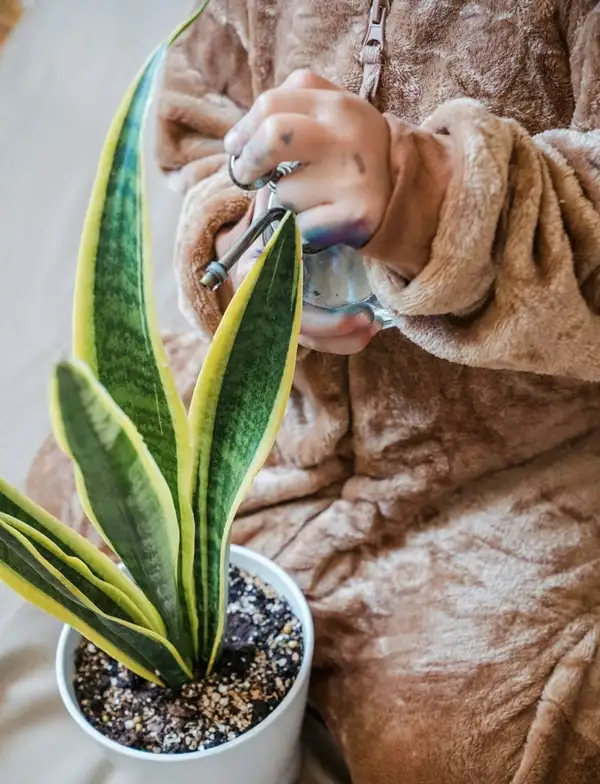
(262, 654)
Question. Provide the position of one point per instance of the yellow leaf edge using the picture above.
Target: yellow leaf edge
(111, 591)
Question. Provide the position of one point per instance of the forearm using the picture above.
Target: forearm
(510, 279)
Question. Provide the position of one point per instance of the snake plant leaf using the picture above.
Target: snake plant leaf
(45, 578)
(121, 488)
(102, 571)
(237, 408)
(114, 326)
(108, 598)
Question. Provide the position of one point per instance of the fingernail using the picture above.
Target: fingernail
(233, 143)
(365, 317)
(363, 314)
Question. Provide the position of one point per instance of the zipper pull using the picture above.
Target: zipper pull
(371, 57)
(376, 30)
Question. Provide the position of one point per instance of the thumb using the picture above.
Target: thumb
(242, 267)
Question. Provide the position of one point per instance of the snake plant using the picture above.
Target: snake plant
(160, 485)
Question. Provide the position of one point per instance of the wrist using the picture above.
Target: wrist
(422, 165)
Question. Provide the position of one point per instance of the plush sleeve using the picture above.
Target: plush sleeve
(513, 275)
(205, 90)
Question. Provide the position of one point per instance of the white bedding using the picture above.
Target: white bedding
(62, 74)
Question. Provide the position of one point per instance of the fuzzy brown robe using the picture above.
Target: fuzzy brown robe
(437, 496)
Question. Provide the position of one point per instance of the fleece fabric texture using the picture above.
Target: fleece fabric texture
(436, 496)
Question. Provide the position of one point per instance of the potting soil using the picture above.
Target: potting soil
(261, 657)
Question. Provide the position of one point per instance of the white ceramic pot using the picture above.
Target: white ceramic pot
(269, 753)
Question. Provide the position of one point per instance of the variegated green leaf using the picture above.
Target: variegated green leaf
(103, 594)
(122, 490)
(238, 406)
(115, 330)
(47, 579)
(103, 571)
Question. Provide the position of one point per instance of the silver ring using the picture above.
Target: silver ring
(271, 179)
(282, 171)
(253, 186)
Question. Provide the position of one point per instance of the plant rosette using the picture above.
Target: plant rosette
(268, 753)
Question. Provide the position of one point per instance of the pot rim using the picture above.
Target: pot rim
(305, 617)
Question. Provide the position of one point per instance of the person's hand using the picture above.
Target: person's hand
(321, 331)
(372, 183)
(341, 193)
